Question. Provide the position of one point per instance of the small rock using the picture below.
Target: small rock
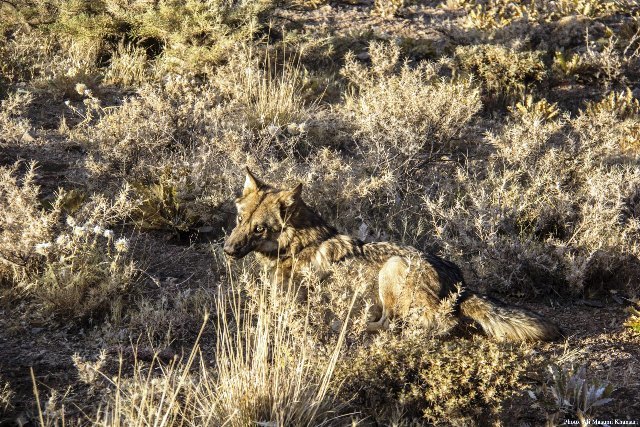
(36, 330)
(363, 56)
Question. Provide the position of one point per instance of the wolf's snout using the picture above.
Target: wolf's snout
(230, 249)
(235, 249)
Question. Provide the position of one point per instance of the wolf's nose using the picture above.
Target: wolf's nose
(229, 249)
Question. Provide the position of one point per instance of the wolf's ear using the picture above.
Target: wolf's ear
(291, 197)
(251, 183)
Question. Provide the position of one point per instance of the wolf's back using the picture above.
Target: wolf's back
(507, 323)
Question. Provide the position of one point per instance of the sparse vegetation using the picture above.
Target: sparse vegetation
(6, 395)
(573, 392)
(504, 136)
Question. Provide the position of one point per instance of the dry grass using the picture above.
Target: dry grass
(263, 372)
(6, 396)
(513, 151)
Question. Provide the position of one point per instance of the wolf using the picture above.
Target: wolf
(290, 239)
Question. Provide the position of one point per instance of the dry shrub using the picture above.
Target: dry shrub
(75, 270)
(622, 105)
(183, 37)
(168, 203)
(23, 54)
(128, 67)
(455, 382)
(23, 224)
(484, 228)
(85, 270)
(388, 8)
(66, 67)
(505, 73)
(633, 321)
(403, 119)
(137, 133)
(15, 127)
(196, 34)
(496, 14)
(598, 65)
(411, 112)
(182, 144)
(553, 210)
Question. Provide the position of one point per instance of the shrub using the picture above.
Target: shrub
(85, 269)
(388, 8)
(505, 73)
(621, 104)
(182, 36)
(574, 393)
(633, 322)
(15, 127)
(23, 224)
(270, 91)
(453, 381)
(75, 269)
(161, 206)
(411, 112)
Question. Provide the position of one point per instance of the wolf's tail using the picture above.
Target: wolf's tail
(507, 323)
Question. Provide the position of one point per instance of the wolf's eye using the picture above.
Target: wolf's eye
(259, 229)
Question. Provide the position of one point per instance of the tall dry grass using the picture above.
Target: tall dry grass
(265, 370)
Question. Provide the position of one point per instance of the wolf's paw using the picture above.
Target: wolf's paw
(382, 324)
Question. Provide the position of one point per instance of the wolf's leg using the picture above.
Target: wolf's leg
(392, 292)
(382, 323)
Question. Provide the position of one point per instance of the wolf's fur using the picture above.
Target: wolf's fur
(289, 237)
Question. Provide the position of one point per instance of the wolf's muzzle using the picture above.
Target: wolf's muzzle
(234, 251)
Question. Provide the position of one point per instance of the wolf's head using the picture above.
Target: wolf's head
(265, 218)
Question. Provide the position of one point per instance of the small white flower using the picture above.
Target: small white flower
(98, 230)
(273, 130)
(62, 240)
(293, 129)
(79, 231)
(108, 234)
(81, 88)
(42, 248)
(122, 245)
(70, 221)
